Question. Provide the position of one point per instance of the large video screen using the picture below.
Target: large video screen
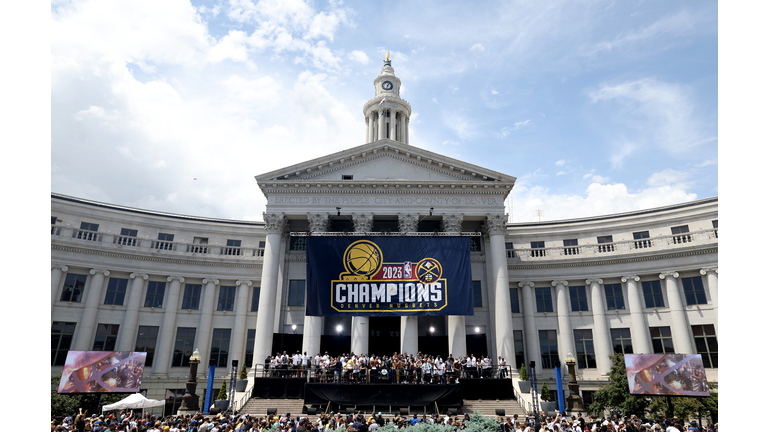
(666, 374)
(102, 372)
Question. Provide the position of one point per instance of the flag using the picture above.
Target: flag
(382, 101)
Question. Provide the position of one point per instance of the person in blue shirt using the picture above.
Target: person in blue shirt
(415, 420)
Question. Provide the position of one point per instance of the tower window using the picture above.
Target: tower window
(346, 177)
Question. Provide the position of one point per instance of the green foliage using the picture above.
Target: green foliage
(615, 395)
(222, 391)
(70, 404)
(477, 423)
(523, 373)
(243, 373)
(545, 395)
(688, 407)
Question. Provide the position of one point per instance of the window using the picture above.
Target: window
(510, 250)
(652, 294)
(233, 248)
(155, 294)
(568, 248)
(681, 235)
(537, 245)
(191, 300)
(477, 294)
(146, 341)
(548, 344)
(661, 339)
(255, 299)
(622, 341)
(706, 344)
(88, 231)
(585, 349)
(199, 245)
(227, 298)
(61, 339)
(53, 220)
(250, 342)
(106, 337)
(127, 237)
(519, 348)
(182, 349)
(54, 229)
(346, 177)
(694, 291)
(220, 346)
(605, 244)
(296, 293)
(298, 244)
(164, 242)
(588, 396)
(514, 301)
(475, 244)
(642, 239)
(714, 225)
(543, 300)
(173, 398)
(116, 291)
(74, 285)
(614, 297)
(578, 298)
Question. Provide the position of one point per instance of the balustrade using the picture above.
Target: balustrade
(126, 241)
(87, 235)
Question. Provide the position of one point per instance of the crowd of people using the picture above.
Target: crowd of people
(130, 421)
(395, 369)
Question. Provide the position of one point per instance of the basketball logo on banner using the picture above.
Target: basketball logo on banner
(428, 270)
(362, 259)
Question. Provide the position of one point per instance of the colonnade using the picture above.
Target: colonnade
(377, 123)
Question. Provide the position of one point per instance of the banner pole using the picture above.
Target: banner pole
(209, 389)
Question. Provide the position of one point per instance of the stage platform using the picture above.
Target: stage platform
(393, 395)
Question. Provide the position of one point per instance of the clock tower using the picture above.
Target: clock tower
(386, 115)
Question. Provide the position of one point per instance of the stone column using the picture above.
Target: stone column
(367, 129)
(505, 339)
(409, 325)
(360, 325)
(88, 320)
(531, 335)
(393, 126)
(126, 340)
(382, 125)
(313, 325)
(238, 332)
(57, 270)
(563, 320)
(166, 337)
(641, 341)
(206, 318)
(265, 321)
(601, 335)
(407, 127)
(457, 329)
(711, 274)
(681, 335)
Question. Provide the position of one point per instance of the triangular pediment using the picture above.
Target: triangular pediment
(384, 161)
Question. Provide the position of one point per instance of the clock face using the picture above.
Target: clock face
(386, 85)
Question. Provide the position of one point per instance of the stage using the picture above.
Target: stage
(366, 396)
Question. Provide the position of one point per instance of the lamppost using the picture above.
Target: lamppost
(190, 401)
(573, 402)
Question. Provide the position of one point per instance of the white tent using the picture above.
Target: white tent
(134, 401)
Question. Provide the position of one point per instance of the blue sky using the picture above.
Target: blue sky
(595, 106)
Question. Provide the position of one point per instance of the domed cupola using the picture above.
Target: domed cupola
(387, 115)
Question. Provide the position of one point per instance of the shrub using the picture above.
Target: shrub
(222, 391)
(523, 373)
(243, 373)
(545, 396)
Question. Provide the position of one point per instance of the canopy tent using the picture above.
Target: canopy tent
(136, 400)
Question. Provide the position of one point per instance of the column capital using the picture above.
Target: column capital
(211, 280)
(274, 223)
(363, 222)
(139, 275)
(596, 280)
(560, 282)
(94, 271)
(408, 222)
(178, 278)
(496, 224)
(635, 278)
(674, 274)
(318, 222)
(244, 282)
(523, 284)
(452, 222)
(706, 270)
(61, 267)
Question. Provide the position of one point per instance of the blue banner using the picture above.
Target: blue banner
(388, 276)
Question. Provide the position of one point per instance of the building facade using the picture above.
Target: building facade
(128, 279)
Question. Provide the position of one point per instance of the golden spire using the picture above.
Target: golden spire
(387, 55)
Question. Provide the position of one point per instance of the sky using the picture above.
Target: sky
(596, 107)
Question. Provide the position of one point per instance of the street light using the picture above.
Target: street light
(293, 327)
(190, 401)
(339, 328)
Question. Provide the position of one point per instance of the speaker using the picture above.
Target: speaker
(214, 411)
(453, 411)
(349, 410)
(271, 411)
(234, 364)
(500, 412)
(311, 411)
(404, 411)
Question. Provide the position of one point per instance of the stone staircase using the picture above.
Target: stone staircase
(258, 407)
(489, 407)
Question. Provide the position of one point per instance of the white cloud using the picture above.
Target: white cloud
(493, 91)
(561, 162)
(359, 57)
(673, 25)
(460, 124)
(505, 131)
(231, 46)
(478, 47)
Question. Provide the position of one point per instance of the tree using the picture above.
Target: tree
(615, 395)
(523, 373)
(70, 404)
(243, 373)
(688, 407)
(222, 391)
(545, 396)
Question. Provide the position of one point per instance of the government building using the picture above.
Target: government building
(127, 279)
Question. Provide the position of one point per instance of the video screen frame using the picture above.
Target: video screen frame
(102, 372)
(666, 375)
